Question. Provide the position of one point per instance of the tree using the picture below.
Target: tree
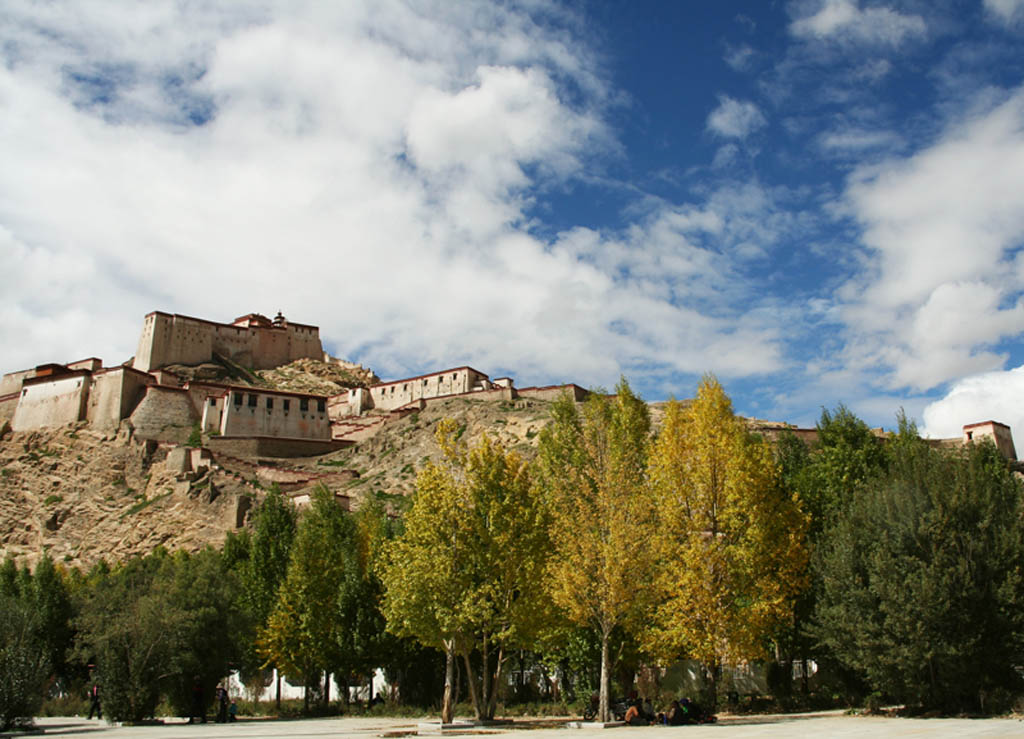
(592, 472)
(266, 565)
(52, 604)
(827, 477)
(23, 662)
(922, 585)
(302, 636)
(466, 573)
(732, 556)
(129, 629)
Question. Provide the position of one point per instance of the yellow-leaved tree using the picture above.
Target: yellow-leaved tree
(466, 574)
(592, 469)
(732, 554)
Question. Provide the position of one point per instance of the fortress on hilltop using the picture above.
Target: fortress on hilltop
(251, 340)
(159, 404)
(149, 399)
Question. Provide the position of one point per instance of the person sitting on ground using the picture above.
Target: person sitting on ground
(635, 716)
(675, 715)
(648, 710)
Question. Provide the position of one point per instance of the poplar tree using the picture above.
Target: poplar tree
(731, 555)
(267, 564)
(466, 574)
(302, 635)
(592, 471)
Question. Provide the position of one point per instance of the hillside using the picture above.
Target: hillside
(301, 376)
(84, 496)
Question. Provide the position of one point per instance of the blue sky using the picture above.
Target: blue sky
(820, 201)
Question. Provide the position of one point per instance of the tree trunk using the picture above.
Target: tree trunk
(277, 700)
(474, 692)
(492, 703)
(711, 688)
(486, 686)
(327, 689)
(449, 679)
(603, 709)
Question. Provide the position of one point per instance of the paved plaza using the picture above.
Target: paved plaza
(825, 724)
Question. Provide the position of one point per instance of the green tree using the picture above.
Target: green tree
(827, 476)
(303, 633)
(592, 472)
(266, 566)
(466, 574)
(732, 556)
(210, 631)
(24, 666)
(49, 597)
(922, 582)
(128, 629)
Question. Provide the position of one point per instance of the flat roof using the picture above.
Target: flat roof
(226, 325)
(429, 374)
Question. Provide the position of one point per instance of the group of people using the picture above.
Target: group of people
(227, 709)
(679, 712)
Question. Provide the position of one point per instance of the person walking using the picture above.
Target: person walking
(94, 701)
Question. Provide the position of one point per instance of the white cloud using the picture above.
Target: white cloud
(735, 118)
(857, 141)
(1006, 10)
(992, 396)
(943, 227)
(363, 166)
(845, 20)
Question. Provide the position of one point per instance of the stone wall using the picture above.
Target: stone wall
(554, 392)
(164, 414)
(11, 382)
(266, 447)
(47, 402)
(8, 404)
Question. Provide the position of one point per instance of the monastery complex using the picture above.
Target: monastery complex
(160, 405)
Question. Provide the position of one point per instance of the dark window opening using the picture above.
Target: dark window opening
(321, 405)
(270, 404)
(287, 405)
(253, 400)
(304, 404)
(238, 398)
(213, 401)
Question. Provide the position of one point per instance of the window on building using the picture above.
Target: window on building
(238, 398)
(287, 405)
(424, 381)
(455, 377)
(321, 405)
(405, 387)
(213, 401)
(270, 404)
(304, 404)
(252, 401)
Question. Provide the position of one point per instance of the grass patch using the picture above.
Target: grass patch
(51, 499)
(531, 432)
(142, 504)
(331, 462)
